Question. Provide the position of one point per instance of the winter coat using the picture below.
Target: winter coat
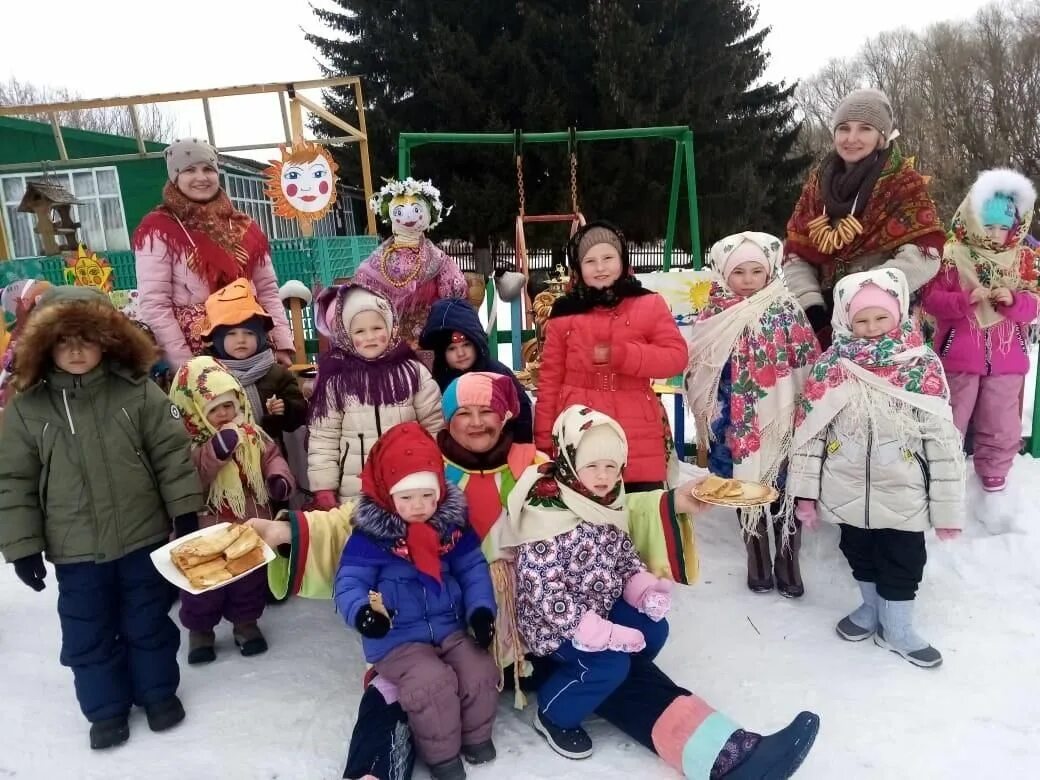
(452, 314)
(964, 347)
(208, 464)
(92, 467)
(867, 480)
(375, 558)
(560, 579)
(165, 281)
(281, 382)
(645, 343)
(341, 439)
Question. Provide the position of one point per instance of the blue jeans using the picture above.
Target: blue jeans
(583, 680)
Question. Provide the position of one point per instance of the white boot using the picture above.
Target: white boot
(896, 633)
(863, 621)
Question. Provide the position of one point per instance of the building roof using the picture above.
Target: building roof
(51, 191)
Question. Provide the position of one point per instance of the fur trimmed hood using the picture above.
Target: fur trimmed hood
(451, 515)
(78, 311)
(1007, 182)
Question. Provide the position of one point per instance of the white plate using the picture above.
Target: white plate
(164, 563)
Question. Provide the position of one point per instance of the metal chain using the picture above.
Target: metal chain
(574, 182)
(520, 183)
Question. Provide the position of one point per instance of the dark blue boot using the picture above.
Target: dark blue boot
(778, 756)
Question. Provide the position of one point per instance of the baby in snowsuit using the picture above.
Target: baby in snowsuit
(411, 580)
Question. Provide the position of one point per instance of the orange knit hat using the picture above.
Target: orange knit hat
(233, 305)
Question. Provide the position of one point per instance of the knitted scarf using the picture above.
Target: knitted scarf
(220, 243)
(770, 347)
(898, 211)
(845, 188)
(248, 371)
(199, 381)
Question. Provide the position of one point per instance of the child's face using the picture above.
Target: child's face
(368, 334)
(461, 356)
(997, 233)
(415, 506)
(853, 141)
(601, 266)
(872, 322)
(747, 279)
(223, 414)
(599, 477)
(240, 343)
(76, 355)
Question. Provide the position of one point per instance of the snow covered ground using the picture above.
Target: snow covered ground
(288, 714)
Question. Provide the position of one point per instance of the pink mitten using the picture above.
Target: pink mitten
(326, 500)
(638, 585)
(594, 634)
(946, 534)
(656, 605)
(625, 640)
(805, 510)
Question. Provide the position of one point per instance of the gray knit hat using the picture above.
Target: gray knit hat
(866, 105)
(185, 152)
(598, 235)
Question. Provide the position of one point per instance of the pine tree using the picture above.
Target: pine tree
(549, 64)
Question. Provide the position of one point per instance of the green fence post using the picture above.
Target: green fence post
(691, 195)
(673, 208)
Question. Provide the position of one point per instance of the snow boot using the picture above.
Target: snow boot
(572, 743)
(249, 639)
(785, 566)
(481, 753)
(109, 732)
(896, 633)
(862, 622)
(164, 714)
(759, 573)
(201, 647)
(777, 756)
(449, 770)
(993, 484)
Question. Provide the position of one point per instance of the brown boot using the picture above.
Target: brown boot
(249, 638)
(201, 647)
(788, 573)
(759, 574)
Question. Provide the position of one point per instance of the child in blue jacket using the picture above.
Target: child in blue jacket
(412, 579)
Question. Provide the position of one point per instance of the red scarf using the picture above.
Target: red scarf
(220, 243)
(424, 548)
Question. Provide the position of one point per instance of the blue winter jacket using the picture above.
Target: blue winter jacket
(455, 314)
(373, 560)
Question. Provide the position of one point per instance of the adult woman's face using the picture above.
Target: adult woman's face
(476, 428)
(199, 182)
(854, 141)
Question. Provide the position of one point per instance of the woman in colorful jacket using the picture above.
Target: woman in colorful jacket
(482, 459)
(863, 207)
(191, 245)
(605, 341)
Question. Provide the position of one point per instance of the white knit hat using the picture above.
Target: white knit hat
(223, 398)
(418, 480)
(601, 442)
(358, 300)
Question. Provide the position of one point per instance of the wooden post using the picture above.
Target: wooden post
(366, 165)
(296, 320)
(296, 128)
(5, 254)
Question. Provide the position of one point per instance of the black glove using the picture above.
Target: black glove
(372, 624)
(818, 318)
(483, 624)
(31, 571)
(185, 524)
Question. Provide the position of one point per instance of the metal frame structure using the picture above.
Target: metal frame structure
(291, 112)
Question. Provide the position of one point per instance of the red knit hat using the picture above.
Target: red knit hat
(403, 450)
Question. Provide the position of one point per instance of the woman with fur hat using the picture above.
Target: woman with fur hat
(984, 300)
(369, 381)
(413, 549)
(242, 470)
(752, 336)
(96, 473)
(605, 341)
(875, 451)
(194, 243)
(237, 328)
(863, 207)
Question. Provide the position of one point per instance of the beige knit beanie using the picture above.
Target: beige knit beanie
(185, 152)
(866, 105)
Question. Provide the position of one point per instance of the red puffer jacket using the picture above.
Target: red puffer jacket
(644, 344)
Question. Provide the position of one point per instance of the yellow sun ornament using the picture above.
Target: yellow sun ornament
(302, 185)
(699, 293)
(88, 270)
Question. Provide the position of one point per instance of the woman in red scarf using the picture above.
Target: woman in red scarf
(194, 243)
(863, 207)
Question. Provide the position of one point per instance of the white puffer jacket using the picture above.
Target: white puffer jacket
(340, 441)
(868, 479)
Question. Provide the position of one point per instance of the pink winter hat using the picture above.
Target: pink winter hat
(747, 252)
(872, 296)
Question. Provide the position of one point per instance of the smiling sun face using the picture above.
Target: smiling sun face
(303, 184)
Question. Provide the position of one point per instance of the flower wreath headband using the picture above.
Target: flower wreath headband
(380, 202)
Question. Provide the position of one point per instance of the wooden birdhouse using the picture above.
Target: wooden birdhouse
(52, 204)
